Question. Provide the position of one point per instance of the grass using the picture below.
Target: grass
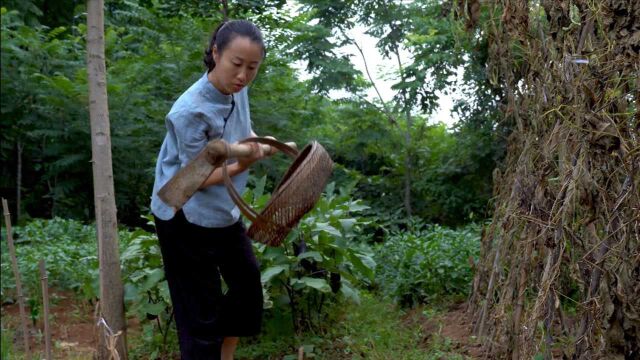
(375, 329)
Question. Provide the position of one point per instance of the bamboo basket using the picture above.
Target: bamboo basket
(296, 194)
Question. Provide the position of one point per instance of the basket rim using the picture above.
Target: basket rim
(298, 162)
(312, 156)
(292, 173)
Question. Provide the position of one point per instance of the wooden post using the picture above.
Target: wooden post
(16, 273)
(112, 318)
(45, 304)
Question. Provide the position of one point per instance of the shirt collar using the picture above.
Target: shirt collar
(212, 93)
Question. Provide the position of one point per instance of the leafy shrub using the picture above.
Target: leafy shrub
(428, 261)
(69, 249)
(319, 265)
(146, 293)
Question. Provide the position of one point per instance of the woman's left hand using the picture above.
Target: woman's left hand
(272, 150)
(256, 154)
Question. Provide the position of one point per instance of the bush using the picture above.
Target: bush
(318, 266)
(69, 249)
(429, 261)
(304, 281)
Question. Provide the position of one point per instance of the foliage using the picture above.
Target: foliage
(147, 293)
(304, 281)
(426, 262)
(389, 143)
(320, 264)
(564, 232)
(70, 253)
(154, 52)
(372, 329)
(6, 343)
(454, 167)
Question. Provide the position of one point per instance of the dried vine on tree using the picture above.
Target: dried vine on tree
(561, 259)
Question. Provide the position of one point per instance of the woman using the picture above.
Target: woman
(206, 239)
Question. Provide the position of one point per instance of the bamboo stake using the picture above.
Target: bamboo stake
(45, 300)
(16, 273)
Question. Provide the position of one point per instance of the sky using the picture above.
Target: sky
(379, 67)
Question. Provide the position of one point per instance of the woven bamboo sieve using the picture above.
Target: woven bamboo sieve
(295, 195)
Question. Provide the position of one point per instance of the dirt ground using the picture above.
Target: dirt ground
(453, 325)
(74, 332)
(457, 327)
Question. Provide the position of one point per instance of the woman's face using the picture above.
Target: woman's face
(236, 66)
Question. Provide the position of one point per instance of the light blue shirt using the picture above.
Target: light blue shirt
(195, 118)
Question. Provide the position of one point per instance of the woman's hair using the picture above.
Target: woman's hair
(225, 33)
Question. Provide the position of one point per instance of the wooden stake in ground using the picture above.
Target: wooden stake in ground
(45, 301)
(16, 273)
(111, 289)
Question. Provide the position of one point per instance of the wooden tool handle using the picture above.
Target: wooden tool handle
(177, 191)
(244, 150)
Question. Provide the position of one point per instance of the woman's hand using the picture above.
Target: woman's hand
(272, 150)
(256, 154)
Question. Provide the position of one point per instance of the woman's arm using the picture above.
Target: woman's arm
(236, 168)
(216, 176)
(241, 165)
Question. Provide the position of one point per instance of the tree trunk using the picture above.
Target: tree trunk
(225, 10)
(407, 139)
(20, 146)
(112, 326)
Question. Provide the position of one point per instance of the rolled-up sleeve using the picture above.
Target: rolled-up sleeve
(191, 134)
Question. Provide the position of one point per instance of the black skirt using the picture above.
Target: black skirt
(195, 258)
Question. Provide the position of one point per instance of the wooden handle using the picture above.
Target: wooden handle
(179, 189)
(244, 150)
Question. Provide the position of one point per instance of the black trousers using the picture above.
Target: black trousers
(194, 259)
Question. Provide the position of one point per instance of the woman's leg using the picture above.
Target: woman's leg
(241, 308)
(194, 285)
(229, 347)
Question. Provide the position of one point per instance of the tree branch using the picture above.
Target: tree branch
(385, 108)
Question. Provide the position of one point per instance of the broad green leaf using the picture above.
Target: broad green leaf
(363, 264)
(347, 224)
(271, 272)
(311, 254)
(318, 284)
(153, 309)
(153, 278)
(321, 226)
(349, 292)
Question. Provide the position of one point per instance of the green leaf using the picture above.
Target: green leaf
(321, 226)
(271, 272)
(364, 264)
(356, 206)
(347, 224)
(349, 292)
(153, 278)
(258, 191)
(153, 309)
(130, 292)
(318, 284)
(311, 254)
